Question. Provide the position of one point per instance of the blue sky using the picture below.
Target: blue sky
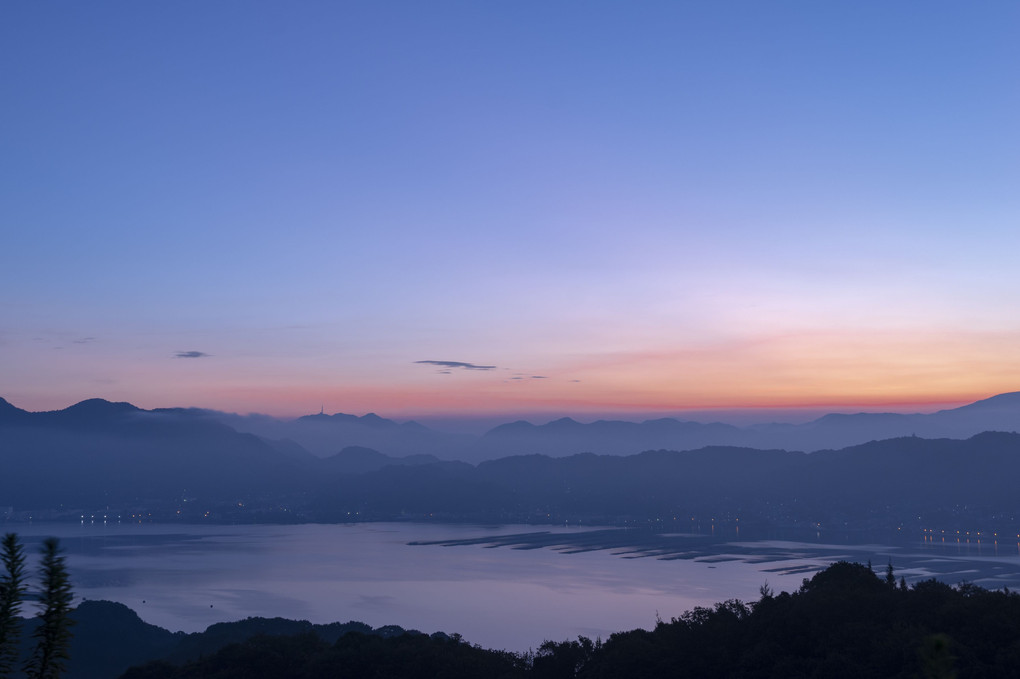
(633, 207)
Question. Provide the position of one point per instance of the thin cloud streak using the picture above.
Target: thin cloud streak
(191, 354)
(458, 364)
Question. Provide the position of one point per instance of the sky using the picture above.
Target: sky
(457, 209)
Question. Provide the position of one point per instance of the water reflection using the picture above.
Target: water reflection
(500, 586)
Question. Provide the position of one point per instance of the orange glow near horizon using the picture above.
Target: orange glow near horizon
(405, 404)
(401, 403)
(807, 371)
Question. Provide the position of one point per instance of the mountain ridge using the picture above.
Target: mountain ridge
(184, 465)
(325, 435)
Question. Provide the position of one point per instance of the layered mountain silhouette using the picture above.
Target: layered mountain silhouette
(97, 450)
(566, 436)
(189, 463)
(324, 435)
(97, 453)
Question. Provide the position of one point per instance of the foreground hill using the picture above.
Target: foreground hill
(107, 638)
(843, 622)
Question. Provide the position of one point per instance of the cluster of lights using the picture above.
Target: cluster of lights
(92, 517)
(964, 533)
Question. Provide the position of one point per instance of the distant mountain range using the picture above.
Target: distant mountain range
(98, 456)
(98, 453)
(326, 434)
(566, 436)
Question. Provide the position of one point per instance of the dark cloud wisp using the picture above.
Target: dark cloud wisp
(190, 354)
(458, 364)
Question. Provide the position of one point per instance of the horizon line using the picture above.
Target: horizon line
(805, 408)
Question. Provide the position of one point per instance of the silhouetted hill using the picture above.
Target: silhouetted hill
(98, 455)
(193, 646)
(907, 481)
(845, 621)
(108, 638)
(91, 412)
(358, 460)
(9, 412)
(102, 453)
(370, 420)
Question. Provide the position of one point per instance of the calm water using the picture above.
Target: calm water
(501, 587)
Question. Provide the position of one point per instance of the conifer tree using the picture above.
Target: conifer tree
(54, 632)
(12, 591)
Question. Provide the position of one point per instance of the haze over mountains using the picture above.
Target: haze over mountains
(104, 457)
(327, 434)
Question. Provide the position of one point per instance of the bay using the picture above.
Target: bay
(498, 586)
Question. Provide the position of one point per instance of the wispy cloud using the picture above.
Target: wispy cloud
(191, 354)
(84, 340)
(458, 364)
